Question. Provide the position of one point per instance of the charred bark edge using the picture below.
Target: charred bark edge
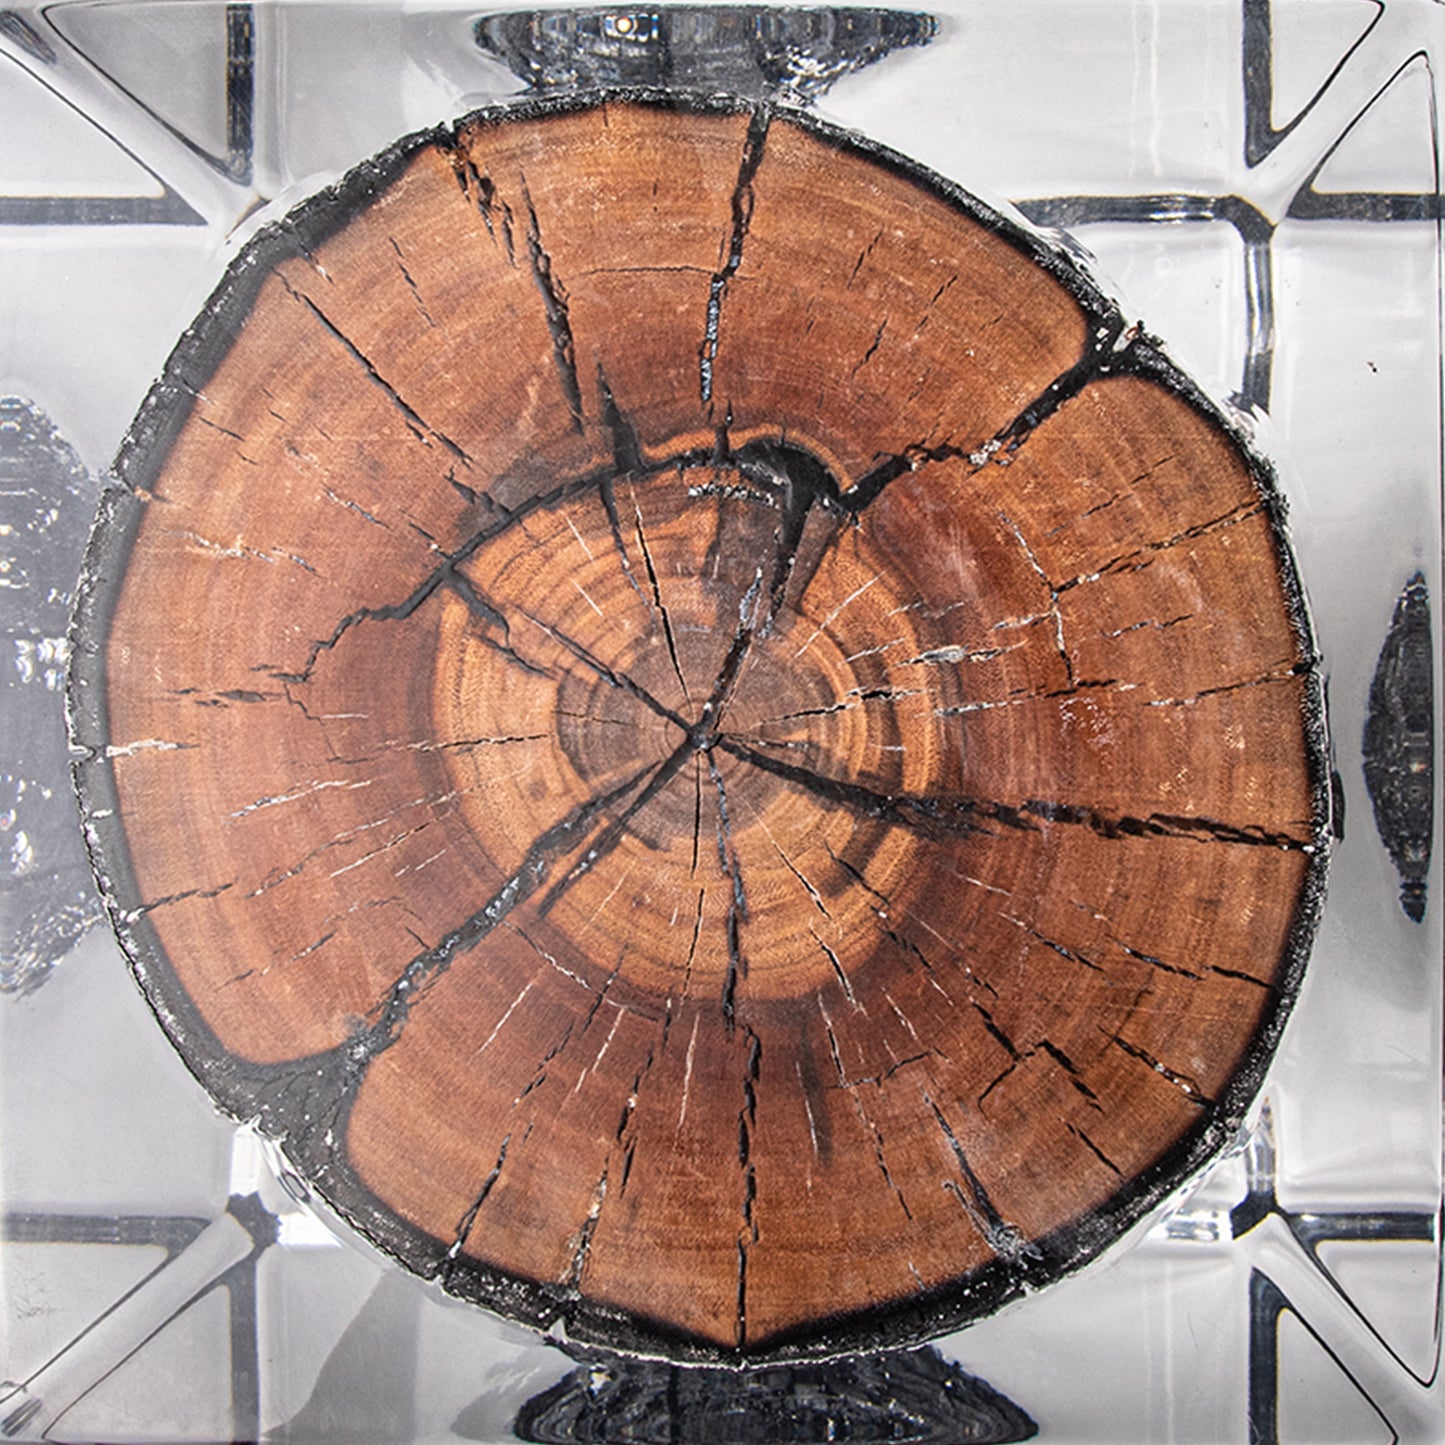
(282, 1099)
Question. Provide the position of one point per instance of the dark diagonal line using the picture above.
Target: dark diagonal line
(755, 617)
(554, 305)
(423, 971)
(419, 426)
(619, 680)
(728, 859)
(731, 670)
(964, 816)
(1006, 1240)
(943, 815)
(658, 604)
(741, 206)
(616, 830)
(446, 572)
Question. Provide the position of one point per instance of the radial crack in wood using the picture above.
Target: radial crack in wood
(670, 698)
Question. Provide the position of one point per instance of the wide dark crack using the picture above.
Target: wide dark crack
(929, 814)
(445, 573)
(801, 483)
(613, 678)
(479, 190)
(1198, 827)
(626, 448)
(423, 971)
(411, 282)
(1111, 351)
(1186, 1085)
(727, 852)
(798, 480)
(944, 814)
(659, 606)
(1083, 1138)
(554, 306)
(741, 208)
(463, 587)
(464, 1225)
(1006, 1240)
(617, 830)
(416, 424)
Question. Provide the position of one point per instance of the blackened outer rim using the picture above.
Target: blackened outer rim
(285, 1100)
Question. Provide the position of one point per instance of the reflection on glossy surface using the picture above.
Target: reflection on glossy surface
(913, 1396)
(744, 50)
(46, 501)
(1400, 744)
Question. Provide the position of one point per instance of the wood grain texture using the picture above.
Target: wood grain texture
(693, 721)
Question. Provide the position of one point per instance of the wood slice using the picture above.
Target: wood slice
(684, 713)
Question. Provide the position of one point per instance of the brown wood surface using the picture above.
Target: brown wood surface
(759, 744)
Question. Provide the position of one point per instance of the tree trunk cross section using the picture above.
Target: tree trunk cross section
(685, 713)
